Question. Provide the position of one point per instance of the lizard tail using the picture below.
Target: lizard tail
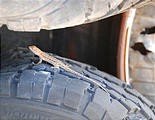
(95, 82)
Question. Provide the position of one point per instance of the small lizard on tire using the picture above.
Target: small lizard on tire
(58, 64)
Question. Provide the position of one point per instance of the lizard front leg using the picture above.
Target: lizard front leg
(40, 61)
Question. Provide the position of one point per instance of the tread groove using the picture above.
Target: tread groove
(104, 115)
(46, 92)
(14, 83)
(86, 104)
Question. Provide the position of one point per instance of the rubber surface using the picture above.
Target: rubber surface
(43, 93)
(30, 15)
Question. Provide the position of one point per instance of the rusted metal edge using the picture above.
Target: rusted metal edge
(123, 45)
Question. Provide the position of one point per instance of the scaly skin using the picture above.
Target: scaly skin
(58, 64)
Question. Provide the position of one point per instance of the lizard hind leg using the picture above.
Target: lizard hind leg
(56, 68)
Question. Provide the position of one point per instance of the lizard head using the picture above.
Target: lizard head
(35, 50)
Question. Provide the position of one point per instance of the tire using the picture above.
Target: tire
(53, 14)
(29, 92)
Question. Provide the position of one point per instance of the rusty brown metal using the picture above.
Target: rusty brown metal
(123, 45)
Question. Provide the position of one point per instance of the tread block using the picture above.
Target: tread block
(97, 105)
(39, 84)
(112, 106)
(146, 101)
(147, 112)
(75, 91)
(142, 105)
(15, 25)
(24, 90)
(56, 92)
(94, 111)
(35, 24)
(114, 110)
(129, 105)
(138, 95)
(24, 87)
(32, 83)
(5, 83)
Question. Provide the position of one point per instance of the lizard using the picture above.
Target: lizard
(59, 64)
